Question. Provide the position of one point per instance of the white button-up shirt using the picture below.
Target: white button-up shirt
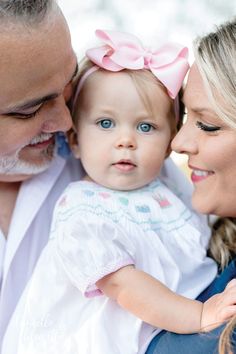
(2, 252)
(29, 231)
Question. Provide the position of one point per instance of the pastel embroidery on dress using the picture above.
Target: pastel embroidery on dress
(104, 195)
(162, 201)
(142, 208)
(63, 201)
(124, 201)
(88, 192)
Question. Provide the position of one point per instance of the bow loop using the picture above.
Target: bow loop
(124, 51)
(117, 39)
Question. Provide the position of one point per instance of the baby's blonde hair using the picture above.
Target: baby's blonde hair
(141, 78)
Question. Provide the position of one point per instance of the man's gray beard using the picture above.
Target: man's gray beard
(13, 165)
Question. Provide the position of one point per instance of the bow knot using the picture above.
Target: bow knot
(124, 51)
(147, 56)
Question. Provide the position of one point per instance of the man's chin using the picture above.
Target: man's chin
(23, 168)
(26, 168)
(15, 166)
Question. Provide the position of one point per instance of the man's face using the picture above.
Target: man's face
(36, 69)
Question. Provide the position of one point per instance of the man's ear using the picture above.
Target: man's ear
(73, 142)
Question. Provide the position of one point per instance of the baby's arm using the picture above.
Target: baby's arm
(151, 301)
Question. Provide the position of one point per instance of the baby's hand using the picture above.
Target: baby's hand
(219, 308)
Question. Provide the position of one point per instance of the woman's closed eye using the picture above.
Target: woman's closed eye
(207, 127)
(106, 123)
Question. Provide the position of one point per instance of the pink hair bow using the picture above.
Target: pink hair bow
(124, 51)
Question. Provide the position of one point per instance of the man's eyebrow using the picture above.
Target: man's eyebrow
(33, 103)
(39, 101)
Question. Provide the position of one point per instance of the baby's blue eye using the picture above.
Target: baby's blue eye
(106, 123)
(144, 127)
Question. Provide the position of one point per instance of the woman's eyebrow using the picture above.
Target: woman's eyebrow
(202, 110)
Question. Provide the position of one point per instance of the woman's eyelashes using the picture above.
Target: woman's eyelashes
(207, 127)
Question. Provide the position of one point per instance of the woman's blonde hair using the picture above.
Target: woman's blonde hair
(215, 56)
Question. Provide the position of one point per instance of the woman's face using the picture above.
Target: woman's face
(211, 148)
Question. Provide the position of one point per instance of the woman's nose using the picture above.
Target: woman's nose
(185, 141)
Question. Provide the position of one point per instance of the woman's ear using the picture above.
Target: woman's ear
(73, 142)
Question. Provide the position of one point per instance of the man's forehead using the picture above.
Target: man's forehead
(30, 103)
(31, 68)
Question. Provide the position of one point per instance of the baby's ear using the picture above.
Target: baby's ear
(173, 133)
(73, 142)
(168, 151)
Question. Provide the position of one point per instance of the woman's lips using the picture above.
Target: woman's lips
(198, 175)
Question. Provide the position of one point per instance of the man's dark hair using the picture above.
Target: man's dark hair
(25, 10)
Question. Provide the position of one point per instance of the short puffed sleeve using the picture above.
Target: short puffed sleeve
(91, 247)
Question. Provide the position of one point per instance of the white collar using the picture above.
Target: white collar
(32, 194)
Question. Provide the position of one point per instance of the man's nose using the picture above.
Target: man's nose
(57, 116)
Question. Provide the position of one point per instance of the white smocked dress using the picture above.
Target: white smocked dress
(96, 231)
